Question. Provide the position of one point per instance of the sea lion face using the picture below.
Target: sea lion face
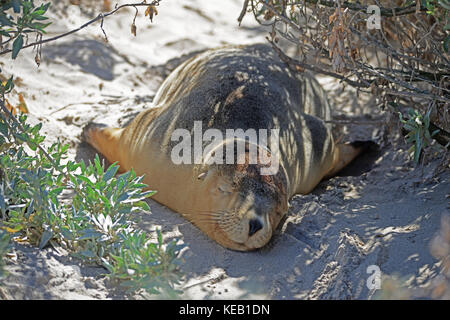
(246, 207)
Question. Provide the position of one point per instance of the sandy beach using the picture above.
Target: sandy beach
(382, 211)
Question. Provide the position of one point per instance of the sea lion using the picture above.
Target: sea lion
(235, 87)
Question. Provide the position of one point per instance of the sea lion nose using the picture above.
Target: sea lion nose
(254, 226)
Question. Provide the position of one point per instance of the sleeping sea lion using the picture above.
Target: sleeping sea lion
(183, 146)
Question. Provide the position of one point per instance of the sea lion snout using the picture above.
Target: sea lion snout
(258, 202)
(254, 225)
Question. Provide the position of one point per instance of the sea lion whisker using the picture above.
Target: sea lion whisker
(204, 221)
(214, 212)
(211, 214)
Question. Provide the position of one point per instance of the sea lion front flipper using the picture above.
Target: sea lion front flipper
(104, 139)
(344, 153)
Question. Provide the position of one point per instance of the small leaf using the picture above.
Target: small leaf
(159, 235)
(124, 196)
(56, 191)
(98, 165)
(16, 6)
(12, 230)
(150, 11)
(10, 107)
(45, 6)
(89, 234)
(17, 45)
(40, 18)
(143, 205)
(88, 254)
(38, 12)
(40, 26)
(427, 119)
(85, 179)
(4, 21)
(107, 265)
(446, 43)
(45, 238)
(2, 201)
(112, 170)
(9, 85)
(435, 132)
(66, 233)
(418, 147)
(408, 127)
(22, 105)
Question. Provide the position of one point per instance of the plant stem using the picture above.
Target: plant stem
(101, 16)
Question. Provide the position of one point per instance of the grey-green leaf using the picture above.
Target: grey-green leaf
(16, 5)
(446, 43)
(17, 45)
(112, 170)
(45, 238)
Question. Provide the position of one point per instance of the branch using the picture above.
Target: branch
(391, 52)
(345, 122)
(414, 93)
(101, 16)
(386, 12)
(243, 12)
(357, 84)
(296, 63)
(282, 17)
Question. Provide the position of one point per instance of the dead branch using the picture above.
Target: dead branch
(411, 64)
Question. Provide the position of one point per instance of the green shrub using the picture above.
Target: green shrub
(95, 224)
(50, 200)
(418, 134)
(19, 18)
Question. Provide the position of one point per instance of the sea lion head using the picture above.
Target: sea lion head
(245, 206)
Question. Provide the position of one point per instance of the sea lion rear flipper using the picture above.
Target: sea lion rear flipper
(346, 152)
(104, 139)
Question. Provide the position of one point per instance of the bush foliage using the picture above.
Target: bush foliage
(46, 199)
(395, 50)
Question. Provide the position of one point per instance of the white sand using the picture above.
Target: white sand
(385, 217)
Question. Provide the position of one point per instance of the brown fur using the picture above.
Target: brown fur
(230, 88)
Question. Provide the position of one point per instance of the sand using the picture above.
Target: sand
(382, 212)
